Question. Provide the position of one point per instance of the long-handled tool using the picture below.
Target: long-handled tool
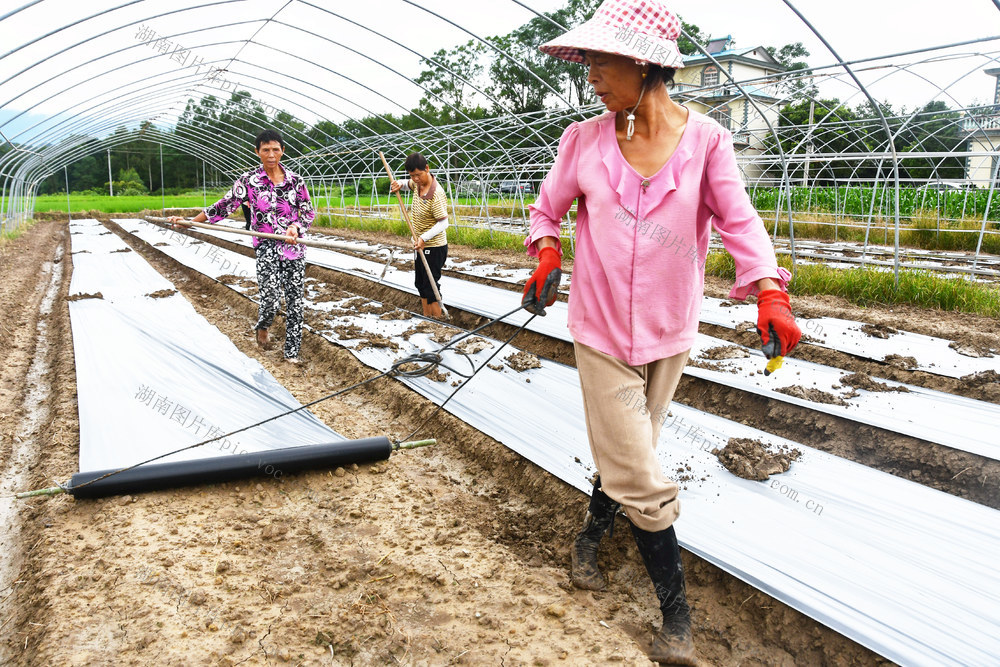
(413, 236)
(326, 245)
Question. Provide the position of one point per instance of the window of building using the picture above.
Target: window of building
(710, 76)
(722, 116)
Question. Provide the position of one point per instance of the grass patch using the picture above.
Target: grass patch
(865, 286)
(467, 236)
(394, 226)
(125, 204)
(8, 236)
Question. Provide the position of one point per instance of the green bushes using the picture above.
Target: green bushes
(861, 201)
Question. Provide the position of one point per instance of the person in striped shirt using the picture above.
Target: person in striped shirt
(429, 217)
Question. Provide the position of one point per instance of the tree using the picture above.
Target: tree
(572, 77)
(798, 81)
(834, 130)
(447, 76)
(521, 81)
(689, 37)
(788, 55)
(129, 183)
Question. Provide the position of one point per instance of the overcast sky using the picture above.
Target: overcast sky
(364, 53)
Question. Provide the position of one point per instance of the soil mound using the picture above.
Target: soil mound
(814, 395)
(750, 459)
(522, 361)
(878, 330)
(80, 297)
(863, 381)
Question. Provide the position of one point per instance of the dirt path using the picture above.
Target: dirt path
(456, 554)
(34, 412)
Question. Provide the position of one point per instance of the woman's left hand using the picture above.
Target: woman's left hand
(292, 235)
(775, 323)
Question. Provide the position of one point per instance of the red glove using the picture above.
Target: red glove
(543, 286)
(775, 323)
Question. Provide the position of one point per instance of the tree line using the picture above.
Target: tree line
(838, 129)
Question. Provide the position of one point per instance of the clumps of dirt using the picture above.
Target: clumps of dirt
(806, 338)
(121, 250)
(161, 244)
(971, 348)
(878, 330)
(472, 345)
(746, 326)
(901, 362)
(162, 294)
(315, 315)
(80, 252)
(522, 361)
(354, 332)
(377, 340)
(321, 294)
(750, 459)
(239, 281)
(865, 381)
(397, 314)
(348, 331)
(360, 304)
(728, 304)
(438, 332)
(981, 378)
(812, 395)
(724, 352)
(81, 296)
(710, 366)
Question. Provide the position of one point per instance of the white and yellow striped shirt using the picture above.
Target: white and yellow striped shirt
(426, 211)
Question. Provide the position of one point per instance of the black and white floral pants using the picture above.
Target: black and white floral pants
(275, 275)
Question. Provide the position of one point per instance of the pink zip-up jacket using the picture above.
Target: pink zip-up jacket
(639, 266)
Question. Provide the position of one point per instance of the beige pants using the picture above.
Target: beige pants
(626, 407)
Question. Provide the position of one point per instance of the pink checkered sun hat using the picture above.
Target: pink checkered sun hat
(644, 30)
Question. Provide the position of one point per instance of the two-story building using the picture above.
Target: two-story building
(704, 87)
(983, 126)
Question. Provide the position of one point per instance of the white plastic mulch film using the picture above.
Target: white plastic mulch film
(954, 421)
(904, 569)
(880, 343)
(154, 376)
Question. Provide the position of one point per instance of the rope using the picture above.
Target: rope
(467, 378)
(426, 361)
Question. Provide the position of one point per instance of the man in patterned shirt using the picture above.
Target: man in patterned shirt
(429, 216)
(279, 204)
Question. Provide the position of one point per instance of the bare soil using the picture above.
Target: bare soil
(453, 554)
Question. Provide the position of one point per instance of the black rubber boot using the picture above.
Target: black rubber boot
(600, 518)
(673, 644)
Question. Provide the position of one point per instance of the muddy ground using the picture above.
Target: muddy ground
(454, 554)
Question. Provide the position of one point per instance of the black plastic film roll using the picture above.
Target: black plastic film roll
(269, 463)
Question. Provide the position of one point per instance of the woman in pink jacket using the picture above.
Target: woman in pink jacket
(651, 179)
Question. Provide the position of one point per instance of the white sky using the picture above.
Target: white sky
(344, 84)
